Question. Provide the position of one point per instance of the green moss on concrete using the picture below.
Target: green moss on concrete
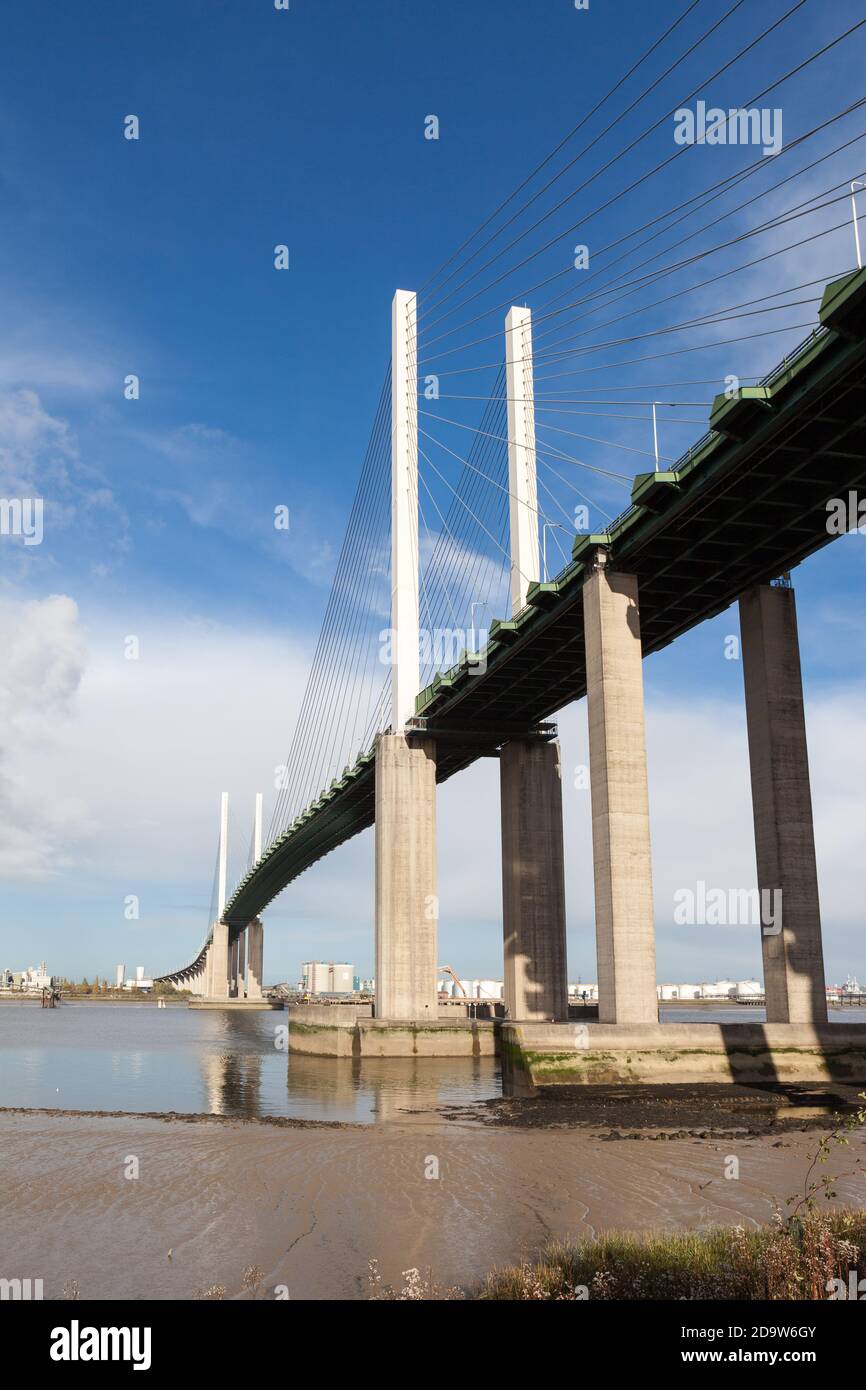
(604, 1067)
(311, 1029)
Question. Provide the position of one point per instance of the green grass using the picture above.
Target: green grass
(791, 1259)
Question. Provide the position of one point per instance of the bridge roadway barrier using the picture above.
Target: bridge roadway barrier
(349, 1030)
(546, 1054)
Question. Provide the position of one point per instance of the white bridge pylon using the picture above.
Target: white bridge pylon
(222, 872)
(522, 488)
(522, 482)
(232, 970)
(406, 765)
(222, 869)
(405, 555)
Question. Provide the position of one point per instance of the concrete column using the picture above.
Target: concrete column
(242, 965)
(533, 882)
(233, 967)
(208, 972)
(255, 947)
(625, 935)
(407, 907)
(782, 808)
(219, 951)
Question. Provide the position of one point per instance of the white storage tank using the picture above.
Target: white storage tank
(748, 989)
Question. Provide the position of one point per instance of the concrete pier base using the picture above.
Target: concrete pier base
(320, 1030)
(533, 882)
(407, 906)
(782, 805)
(670, 1053)
(251, 1005)
(625, 934)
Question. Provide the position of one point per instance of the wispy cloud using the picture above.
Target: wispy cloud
(40, 458)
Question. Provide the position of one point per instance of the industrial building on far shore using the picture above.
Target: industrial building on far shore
(30, 981)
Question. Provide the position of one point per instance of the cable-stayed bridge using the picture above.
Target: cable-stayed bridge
(558, 484)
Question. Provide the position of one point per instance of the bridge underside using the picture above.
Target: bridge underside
(747, 504)
(182, 978)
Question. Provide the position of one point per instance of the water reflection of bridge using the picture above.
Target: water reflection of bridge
(236, 1080)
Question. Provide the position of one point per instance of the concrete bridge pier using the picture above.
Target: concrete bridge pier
(242, 965)
(622, 863)
(223, 972)
(533, 882)
(782, 807)
(255, 949)
(218, 960)
(407, 906)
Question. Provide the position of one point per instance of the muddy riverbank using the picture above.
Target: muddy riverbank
(132, 1207)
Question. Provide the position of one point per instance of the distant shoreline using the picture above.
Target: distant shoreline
(698, 1003)
(95, 999)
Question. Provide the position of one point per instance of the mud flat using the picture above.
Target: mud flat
(311, 1204)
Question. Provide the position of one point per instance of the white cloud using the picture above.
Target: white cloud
(43, 661)
(701, 827)
(39, 458)
(34, 443)
(112, 771)
(56, 371)
(226, 489)
(44, 657)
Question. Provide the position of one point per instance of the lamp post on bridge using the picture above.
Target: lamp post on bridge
(855, 184)
(549, 526)
(669, 405)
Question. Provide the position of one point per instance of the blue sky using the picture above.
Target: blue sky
(258, 388)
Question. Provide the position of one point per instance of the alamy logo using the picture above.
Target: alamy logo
(846, 514)
(713, 126)
(441, 647)
(22, 516)
(77, 1343)
(729, 907)
(20, 1290)
(855, 1291)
